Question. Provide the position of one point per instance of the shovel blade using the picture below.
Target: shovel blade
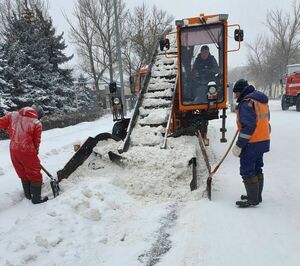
(193, 184)
(55, 188)
(208, 187)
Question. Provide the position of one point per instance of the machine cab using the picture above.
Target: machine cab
(202, 62)
(202, 81)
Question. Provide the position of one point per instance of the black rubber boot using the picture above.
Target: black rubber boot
(261, 186)
(26, 189)
(252, 189)
(36, 190)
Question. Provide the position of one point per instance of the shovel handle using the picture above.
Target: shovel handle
(48, 174)
(226, 153)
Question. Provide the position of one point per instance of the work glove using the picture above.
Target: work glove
(236, 151)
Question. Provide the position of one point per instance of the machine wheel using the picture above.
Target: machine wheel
(284, 105)
(120, 128)
(298, 104)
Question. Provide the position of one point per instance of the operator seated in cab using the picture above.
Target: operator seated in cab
(205, 70)
(205, 66)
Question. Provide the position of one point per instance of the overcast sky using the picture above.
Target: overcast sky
(250, 14)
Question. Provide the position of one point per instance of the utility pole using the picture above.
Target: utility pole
(119, 58)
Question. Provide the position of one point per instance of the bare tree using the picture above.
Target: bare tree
(257, 56)
(101, 15)
(269, 56)
(94, 36)
(145, 27)
(285, 29)
(83, 34)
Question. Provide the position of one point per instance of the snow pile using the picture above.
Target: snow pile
(159, 85)
(146, 135)
(158, 116)
(164, 72)
(149, 102)
(168, 92)
(152, 173)
(103, 147)
(92, 213)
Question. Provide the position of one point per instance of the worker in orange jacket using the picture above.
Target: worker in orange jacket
(253, 140)
(25, 131)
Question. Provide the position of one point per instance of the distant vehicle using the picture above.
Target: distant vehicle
(141, 78)
(291, 87)
(137, 81)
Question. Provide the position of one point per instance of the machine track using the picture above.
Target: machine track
(157, 102)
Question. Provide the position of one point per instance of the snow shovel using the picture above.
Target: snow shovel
(53, 183)
(209, 179)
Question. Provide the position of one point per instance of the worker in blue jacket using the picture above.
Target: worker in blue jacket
(253, 140)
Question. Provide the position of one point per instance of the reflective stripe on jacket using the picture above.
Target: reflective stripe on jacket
(262, 130)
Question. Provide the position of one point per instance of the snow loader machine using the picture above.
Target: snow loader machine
(177, 100)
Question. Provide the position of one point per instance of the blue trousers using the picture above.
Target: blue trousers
(251, 162)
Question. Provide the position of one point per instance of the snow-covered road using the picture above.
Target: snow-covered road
(96, 222)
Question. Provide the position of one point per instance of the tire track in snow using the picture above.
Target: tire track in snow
(162, 244)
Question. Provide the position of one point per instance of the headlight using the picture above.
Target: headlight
(116, 100)
(212, 90)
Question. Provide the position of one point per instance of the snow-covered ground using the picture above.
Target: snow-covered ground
(99, 220)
